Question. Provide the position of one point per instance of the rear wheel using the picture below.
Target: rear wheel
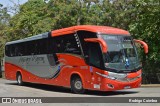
(76, 85)
(19, 79)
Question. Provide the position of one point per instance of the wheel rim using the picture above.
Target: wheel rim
(19, 79)
(78, 85)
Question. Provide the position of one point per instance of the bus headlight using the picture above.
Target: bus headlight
(139, 75)
(106, 76)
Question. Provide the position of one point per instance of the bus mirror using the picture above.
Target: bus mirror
(145, 46)
(100, 41)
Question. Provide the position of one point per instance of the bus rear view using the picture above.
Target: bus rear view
(79, 57)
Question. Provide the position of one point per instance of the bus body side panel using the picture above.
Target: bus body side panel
(71, 65)
(10, 72)
(68, 65)
(26, 75)
(76, 65)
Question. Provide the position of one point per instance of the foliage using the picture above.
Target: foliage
(4, 21)
(146, 27)
(140, 17)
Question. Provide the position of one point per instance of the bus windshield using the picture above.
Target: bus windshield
(122, 55)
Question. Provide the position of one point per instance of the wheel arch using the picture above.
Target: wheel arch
(19, 72)
(76, 74)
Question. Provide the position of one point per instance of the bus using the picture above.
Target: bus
(84, 57)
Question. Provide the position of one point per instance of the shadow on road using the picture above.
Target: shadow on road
(67, 90)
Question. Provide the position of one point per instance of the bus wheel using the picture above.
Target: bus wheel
(19, 79)
(76, 85)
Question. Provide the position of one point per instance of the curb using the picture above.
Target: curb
(150, 85)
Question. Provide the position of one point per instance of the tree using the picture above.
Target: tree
(146, 27)
(140, 17)
(28, 21)
(4, 20)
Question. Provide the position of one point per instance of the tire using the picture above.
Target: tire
(77, 85)
(19, 79)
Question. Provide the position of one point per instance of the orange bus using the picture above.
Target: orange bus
(80, 57)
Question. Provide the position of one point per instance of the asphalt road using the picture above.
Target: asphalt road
(11, 89)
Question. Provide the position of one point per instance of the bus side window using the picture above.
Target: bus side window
(7, 53)
(94, 54)
(67, 44)
(82, 35)
(21, 49)
(52, 47)
(16, 50)
(12, 50)
(44, 46)
(94, 57)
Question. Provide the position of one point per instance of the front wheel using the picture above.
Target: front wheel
(19, 79)
(77, 86)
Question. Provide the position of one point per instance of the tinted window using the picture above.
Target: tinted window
(61, 44)
(65, 44)
(34, 47)
(41, 46)
(7, 50)
(85, 34)
(95, 55)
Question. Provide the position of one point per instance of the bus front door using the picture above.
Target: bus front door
(95, 61)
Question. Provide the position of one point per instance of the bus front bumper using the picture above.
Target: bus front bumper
(112, 85)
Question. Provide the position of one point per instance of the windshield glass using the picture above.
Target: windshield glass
(121, 55)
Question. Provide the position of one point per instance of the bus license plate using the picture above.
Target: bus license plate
(127, 87)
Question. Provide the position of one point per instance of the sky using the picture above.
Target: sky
(7, 3)
(10, 5)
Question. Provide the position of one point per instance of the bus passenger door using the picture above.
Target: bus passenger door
(95, 61)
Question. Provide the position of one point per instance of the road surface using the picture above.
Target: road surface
(11, 89)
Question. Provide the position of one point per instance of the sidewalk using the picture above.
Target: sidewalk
(150, 85)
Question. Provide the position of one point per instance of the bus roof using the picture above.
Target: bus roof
(39, 36)
(73, 29)
(91, 28)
